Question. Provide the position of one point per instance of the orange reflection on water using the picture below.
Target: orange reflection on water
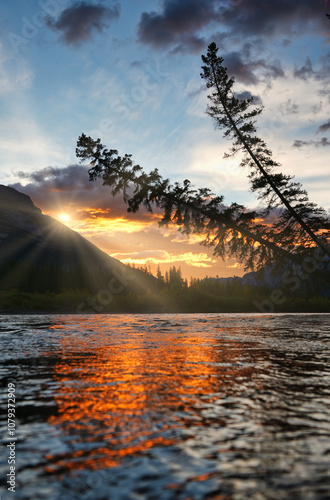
(124, 391)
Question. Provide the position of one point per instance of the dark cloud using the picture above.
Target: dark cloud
(324, 127)
(283, 17)
(178, 23)
(325, 65)
(324, 141)
(194, 43)
(78, 22)
(299, 143)
(239, 69)
(247, 95)
(306, 71)
(59, 179)
(179, 27)
(250, 71)
(181, 19)
(289, 108)
(52, 189)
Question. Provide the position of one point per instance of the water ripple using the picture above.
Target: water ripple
(203, 406)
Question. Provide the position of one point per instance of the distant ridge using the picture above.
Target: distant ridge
(12, 199)
(285, 279)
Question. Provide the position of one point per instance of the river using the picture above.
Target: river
(166, 406)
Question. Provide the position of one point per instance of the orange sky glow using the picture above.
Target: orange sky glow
(144, 243)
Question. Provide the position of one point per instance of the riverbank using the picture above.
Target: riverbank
(80, 301)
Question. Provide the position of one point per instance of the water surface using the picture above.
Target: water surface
(205, 406)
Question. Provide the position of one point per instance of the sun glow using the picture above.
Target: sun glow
(64, 217)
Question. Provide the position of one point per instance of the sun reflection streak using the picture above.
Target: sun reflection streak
(128, 394)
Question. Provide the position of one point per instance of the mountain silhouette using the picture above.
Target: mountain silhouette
(39, 254)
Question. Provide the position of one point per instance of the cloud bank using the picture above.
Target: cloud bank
(177, 24)
(55, 190)
(324, 127)
(324, 141)
(180, 26)
(78, 23)
(180, 21)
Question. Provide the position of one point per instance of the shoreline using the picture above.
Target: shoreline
(172, 302)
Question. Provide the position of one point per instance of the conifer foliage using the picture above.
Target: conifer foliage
(299, 220)
(232, 231)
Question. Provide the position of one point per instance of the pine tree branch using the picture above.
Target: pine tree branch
(120, 173)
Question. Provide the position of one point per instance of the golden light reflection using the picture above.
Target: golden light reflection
(119, 397)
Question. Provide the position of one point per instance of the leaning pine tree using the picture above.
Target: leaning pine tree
(231, 230)
(300, 222)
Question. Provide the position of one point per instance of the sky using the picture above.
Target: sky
(128, 72)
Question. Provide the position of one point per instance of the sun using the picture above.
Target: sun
(63, 217)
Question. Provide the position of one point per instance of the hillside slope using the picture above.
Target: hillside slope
(38, 253)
